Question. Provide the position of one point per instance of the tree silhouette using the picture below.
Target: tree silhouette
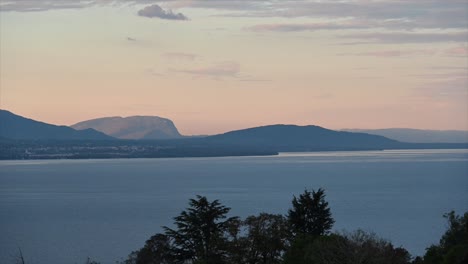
(266, 239)
(453, 246)
(310, 214)
(199, 234)
(157, 250)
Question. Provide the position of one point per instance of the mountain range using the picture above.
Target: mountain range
(150, 137)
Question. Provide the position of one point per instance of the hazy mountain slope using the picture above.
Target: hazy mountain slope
(300, 138)
(133, 127)
(17, 127)
(417, 135)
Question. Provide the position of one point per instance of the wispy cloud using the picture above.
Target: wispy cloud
(222, 69)
(448, 89)
(393, 53)
(383, 16)
(44, 5)
(254, 80)
(348, 23)
(457, 52)
(153, 11)
(131, 39)
(402, 14)
(179, 56)
(302, 27)
(407, 37)
(397, 14)
(153, 72)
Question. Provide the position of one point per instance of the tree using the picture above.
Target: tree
(236, 243)
(309, 218)
(157, 250)
(365, 247)
(310, 214)
(89, 261)
(266, 239)
(330, 249)
(355, 248)
(199, 236)
(453, 246)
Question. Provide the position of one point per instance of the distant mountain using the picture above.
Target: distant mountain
(133, 127)
(17, 127)
(301, 138)
(417, 135)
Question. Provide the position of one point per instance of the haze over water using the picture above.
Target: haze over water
(63, 211)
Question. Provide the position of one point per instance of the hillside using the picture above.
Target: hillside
(17, 127)
(133, 127)
(418, 135)
(301, 138)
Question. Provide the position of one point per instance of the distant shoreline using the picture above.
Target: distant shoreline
(58, 152)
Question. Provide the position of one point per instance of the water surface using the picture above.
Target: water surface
(63, 211)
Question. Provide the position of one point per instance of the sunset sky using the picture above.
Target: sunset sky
(216, 65)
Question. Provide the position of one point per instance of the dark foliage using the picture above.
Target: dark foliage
(453, 246)
(157, 250)
(266, 239)
(204, 235)
(310, 214)
(199, 236)
(356, 248)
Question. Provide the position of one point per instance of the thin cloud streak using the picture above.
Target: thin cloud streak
(407, 37)
(407, 15)
(222, 69)
(44, 5)
(393, 53)
(179, 56)
(302, 27)
(450, 90)
(332, 25)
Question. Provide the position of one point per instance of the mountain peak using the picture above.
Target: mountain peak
(132, 127)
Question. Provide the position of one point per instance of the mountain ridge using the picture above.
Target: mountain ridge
(60, 142)
(285, 137)
(132, 127)
(412, 135)
(14, 126)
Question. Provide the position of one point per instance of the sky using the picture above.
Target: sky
(213, 66)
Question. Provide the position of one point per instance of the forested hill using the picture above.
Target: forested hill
(418, 135)
(17, 127)
(292, 137)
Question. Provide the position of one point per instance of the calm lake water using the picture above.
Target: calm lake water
(64, 211)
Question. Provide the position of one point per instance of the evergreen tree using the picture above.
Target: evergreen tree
(199, 236)
(309, 218)
(310, 214)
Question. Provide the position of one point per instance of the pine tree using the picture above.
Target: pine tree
(199, 236)
(310, 214)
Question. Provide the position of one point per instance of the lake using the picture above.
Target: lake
(63, 211)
